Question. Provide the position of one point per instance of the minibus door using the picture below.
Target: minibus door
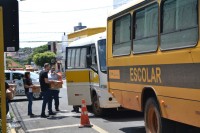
(77, 76)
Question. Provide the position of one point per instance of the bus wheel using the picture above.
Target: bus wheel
(152, 117)
(97, 110)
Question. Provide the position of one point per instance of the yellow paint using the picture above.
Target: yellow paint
(85, 33)
(75, 76)
(184, 111)
(2, 80)
(114, 74)
(175, 101)
(94, 77)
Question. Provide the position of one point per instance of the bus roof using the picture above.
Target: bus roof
(125, 6)
(88, 40)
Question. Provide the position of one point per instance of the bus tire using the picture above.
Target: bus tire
(97, 110)
(154, 123)
(152, 117)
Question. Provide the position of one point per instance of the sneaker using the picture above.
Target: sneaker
(43, 116)
(32, 115)
(52, 113)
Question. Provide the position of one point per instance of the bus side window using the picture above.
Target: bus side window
(179, 24)
(146, 29)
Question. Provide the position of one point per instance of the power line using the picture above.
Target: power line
(67, 10)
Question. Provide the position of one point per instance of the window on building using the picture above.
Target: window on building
(146, 29)
(179, 24)
(122, 36)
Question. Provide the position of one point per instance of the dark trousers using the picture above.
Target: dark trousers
(55, 94)
(30, 102)
(7, 106)
(47, 99)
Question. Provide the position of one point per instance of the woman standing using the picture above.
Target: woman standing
(28, 91)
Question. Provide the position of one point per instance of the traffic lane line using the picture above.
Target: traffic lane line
(98, 129)
(49, 128)
(95, 127)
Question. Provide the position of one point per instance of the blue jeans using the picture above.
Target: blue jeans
(55, 94)
(47, 99)
(30, 102)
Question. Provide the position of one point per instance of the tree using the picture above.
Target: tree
(40, 49)
(41, 58)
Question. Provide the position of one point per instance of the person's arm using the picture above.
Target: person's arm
(46, 78)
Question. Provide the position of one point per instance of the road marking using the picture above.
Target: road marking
(98, 129)
(32, 119)
(49, 128)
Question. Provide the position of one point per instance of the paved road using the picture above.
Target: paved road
(66, 121)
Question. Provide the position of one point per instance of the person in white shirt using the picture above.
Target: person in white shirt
(55, 92)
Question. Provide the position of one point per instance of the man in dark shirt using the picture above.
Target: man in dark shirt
(46, 92)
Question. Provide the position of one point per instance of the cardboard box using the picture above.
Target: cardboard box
(56, 85)
(9, 94)
(36, 89)
(14, 87)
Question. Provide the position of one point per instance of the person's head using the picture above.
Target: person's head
(53, 70)
(27, 75)
(47, 66)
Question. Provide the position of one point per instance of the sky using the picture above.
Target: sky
(46, 20)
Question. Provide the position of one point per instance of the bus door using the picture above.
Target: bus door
(77, 76)
(94, 76)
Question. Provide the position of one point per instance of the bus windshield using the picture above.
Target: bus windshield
(102, 54)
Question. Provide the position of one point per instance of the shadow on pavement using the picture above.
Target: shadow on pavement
(124, 116)
(56, 117)
(133, 129)
(19, 100)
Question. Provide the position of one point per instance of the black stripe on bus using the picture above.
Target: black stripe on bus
(171, 75)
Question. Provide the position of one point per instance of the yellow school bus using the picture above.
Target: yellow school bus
(153, 59)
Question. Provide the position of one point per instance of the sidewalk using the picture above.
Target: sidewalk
(13, 125)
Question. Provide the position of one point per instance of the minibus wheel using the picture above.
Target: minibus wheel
(97, 110)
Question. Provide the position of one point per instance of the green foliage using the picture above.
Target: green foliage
(41, 58)
(40, 49)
